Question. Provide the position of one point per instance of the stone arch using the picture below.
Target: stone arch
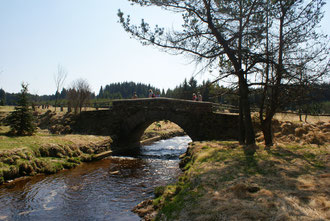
(134, 126)
(126, 120)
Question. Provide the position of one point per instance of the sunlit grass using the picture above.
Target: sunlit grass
(6, 109)
(40, 139)
(161, 128)
(295, 118)
(221, 183)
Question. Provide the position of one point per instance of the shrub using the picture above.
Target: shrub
(21, 121)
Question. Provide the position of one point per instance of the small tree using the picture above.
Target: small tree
(59, 79)
(21, 120)
(296, 56)
(79, 94)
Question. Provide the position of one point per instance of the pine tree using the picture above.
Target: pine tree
(21, 121)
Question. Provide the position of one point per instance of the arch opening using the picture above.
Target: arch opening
(163, 129)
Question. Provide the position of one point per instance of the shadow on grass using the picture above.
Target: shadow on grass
(244, 176)
(288, 155)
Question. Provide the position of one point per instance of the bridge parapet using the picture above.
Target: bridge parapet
(169, 104)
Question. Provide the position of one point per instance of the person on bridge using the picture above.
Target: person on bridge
(151, 94)
(134, 96)
(194, 97)
(199, 96)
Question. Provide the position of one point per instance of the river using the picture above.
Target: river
(103, 190)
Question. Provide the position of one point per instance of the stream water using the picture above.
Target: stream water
(104, 190)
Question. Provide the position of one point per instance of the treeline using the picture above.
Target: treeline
(125, 90)
(312, 99)
(211, 92)
(316, 97)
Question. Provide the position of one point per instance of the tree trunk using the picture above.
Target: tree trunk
(266, 127)
(244, 97)
(56, 96)
(250, 147)
(241, 125)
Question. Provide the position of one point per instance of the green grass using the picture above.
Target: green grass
(45, 153)
(175, 197)
(221, 166)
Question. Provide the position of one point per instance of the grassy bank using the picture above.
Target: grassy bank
(49, 151)
(220, 183)
(289, 181)
(46, 153)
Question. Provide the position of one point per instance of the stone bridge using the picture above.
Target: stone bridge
(127, 120)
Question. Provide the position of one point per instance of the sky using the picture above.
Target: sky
(85, 38)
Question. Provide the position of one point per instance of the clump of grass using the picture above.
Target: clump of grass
(46, 154)
(220, 183)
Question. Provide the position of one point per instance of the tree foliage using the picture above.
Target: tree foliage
(297, 56)
(21, 121)
(125, 90)
(78, 94)
(225, 32)
(59, 79)
(266, 43)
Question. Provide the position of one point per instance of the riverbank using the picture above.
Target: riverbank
(49, 153)
(44, 153)
(290, 181)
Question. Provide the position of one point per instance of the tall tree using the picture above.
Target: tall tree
(59, 79)
(214, 32)
(21, 120)
(295, 54)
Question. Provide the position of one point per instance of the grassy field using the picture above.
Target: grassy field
(164, 129)
(6, 109)
(295, 118)
(48, 153)
(289, 182)
(45, 152)
(44, 138)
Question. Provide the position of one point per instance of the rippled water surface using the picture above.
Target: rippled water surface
(102, 190)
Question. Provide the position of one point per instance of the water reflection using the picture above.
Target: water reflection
(102, 190)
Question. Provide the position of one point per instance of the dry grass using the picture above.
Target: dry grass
(42, 137)
(289, 132)
(295, 118)
(161, 128)
(220, 183)
(6, 109)
(163, 125)
(65, 109)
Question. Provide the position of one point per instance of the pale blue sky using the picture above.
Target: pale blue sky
(85, 38)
